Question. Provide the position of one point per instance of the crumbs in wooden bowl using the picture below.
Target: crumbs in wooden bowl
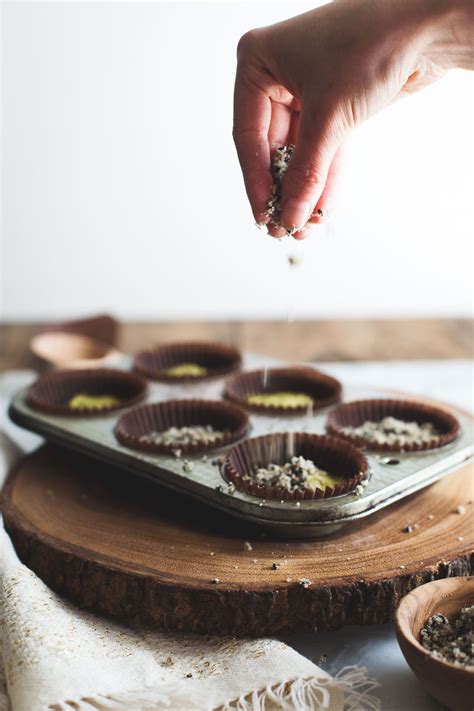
(452, 642)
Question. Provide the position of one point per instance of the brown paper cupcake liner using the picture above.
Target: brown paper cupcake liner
(323, 389)
(52, 392)
(329, 453)
(160, 416)
(218, 359)
(353, 414)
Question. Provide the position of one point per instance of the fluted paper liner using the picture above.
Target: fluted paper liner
(218, 359)
(52, 392)
(338, 458)
(160, 416)
(323, 389)
(353, 414)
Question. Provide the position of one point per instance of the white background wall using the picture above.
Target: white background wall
(122, 191)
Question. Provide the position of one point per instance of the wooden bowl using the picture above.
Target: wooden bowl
(452, 686)
(72, 350)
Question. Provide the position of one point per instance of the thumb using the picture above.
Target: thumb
(304, 181)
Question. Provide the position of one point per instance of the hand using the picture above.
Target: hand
(312, 79)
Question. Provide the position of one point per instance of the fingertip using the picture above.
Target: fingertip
(276, 230)
(302, 234)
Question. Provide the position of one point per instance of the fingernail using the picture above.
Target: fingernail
(296, 213)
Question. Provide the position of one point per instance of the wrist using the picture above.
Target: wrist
(449, 32)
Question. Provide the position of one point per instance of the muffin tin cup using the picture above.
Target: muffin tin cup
(353, 414)
(322, 388)
(160, 416)
(217, 358)
(328, 453)
(52, 392)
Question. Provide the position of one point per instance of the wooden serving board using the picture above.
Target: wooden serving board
(144, 554)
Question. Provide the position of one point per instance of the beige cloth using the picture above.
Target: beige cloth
(54, 656)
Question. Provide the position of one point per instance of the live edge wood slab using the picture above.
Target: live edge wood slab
(142, 554)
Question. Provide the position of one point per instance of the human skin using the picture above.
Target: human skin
(312, 79)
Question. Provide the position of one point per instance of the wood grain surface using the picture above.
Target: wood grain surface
(389, 339)
(140, 553)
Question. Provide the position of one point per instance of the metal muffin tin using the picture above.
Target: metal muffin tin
(391, 477)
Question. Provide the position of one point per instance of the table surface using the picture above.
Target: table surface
(397, 340)
(330, 340)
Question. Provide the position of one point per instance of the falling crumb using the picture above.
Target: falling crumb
(215, 581)
(254, 560)
(204, 458)
(177, 453)
(248, 546)
(293, 260)
(408, 529)
(460, 538)
(212, 553)
(275, 566)
(460, 509)
(297, 504)
(401, 566)
(430, 517)
(304, 582)
(288, 580)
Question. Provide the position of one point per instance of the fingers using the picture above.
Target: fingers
(325, 205)
(307, 174)
(252, 116)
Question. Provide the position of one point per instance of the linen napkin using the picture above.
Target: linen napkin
(56, 657)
